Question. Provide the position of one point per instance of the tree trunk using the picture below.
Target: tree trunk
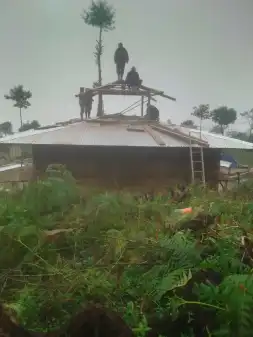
(222, 129)
(20, 115)
(100, 111)
(250, 133)
(200, 127)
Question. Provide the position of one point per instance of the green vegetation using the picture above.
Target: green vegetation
(29, 126)
(164, 273)
(20, 97)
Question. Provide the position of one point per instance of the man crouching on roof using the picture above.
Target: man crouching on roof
(85, 102)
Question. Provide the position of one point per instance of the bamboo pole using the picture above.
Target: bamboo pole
(119, 92)
(142, 106)
(149, 97)
(158, 92)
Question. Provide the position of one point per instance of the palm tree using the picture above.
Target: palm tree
(100, 15)
(20, 97)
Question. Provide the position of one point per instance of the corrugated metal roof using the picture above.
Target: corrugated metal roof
(117, 134)
(19, 135)
(88, 133)
(218, 141)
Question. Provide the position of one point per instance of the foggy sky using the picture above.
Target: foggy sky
(199, 51)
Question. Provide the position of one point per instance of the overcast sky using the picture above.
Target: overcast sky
(199, 51)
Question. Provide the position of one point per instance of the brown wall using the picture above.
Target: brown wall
(126, 167)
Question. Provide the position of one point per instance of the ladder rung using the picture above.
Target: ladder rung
(197, 163)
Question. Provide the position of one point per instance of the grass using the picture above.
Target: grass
(164, 273)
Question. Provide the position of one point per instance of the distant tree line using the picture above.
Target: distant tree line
(222, 118)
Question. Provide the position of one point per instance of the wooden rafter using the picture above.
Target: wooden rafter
(179, 134)
(156, 137)
(157, 92)
(115, 88)
(117, 92)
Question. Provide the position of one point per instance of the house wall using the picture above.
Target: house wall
(126, 167)
(11, 152)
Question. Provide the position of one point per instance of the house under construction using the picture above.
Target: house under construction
(121, 151)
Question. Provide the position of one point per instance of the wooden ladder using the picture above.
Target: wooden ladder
(197, 163)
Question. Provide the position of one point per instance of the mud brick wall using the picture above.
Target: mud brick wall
(117, 167)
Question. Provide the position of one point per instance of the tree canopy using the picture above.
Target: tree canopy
(248, 116)
(189, 123)
(223, 116)
(20, 97)
(100, 14)
(29, 125)
(5, 129)
(202, 112)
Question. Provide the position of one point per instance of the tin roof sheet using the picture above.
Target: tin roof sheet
(117, 134)
(218, 141)
(88, 134)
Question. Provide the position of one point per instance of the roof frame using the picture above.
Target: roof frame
(119, 88)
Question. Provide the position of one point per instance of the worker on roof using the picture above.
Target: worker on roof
(133, 80)
(152, 113)
(85, 102)
(121, 58)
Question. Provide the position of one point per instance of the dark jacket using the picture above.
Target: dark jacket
(152, 113)
(121, 55)
(86, 99)
(133, 78)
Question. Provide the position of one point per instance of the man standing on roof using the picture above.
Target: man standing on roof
(133, 80)
(121, 58)
(85, 102)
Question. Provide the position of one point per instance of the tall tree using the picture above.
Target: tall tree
(202, 112)
(21, 98)
(5, 129)
(224, 116)
(188, 123)
(100, 15)
(248, 116)
(29, 125)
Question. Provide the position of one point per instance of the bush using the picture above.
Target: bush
(162, 271)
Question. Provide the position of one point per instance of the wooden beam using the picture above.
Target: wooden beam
(156, 137)
(168, 97)
(179, 135)
(157, 92)
(149, 97)
(135, 128)
(106, 86)
(120, 92)
(142, 106)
